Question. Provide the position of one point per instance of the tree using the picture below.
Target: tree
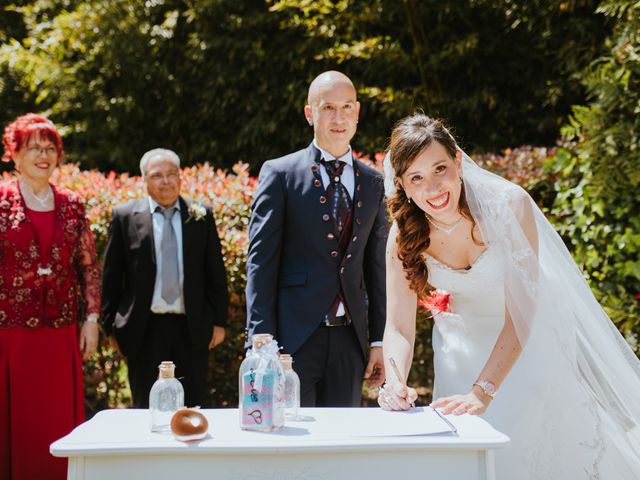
(12, 98)
(598, 208)
(499, 72)
(226, 80)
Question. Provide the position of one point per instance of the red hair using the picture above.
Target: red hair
(18, 133)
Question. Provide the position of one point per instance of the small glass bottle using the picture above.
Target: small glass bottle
(291, 387)
(165, 398)
(261, 386)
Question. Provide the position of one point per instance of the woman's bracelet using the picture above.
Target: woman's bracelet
(487, 387)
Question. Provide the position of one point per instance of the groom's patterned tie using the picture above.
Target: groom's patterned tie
(341, 211)
(340, 201)
(169, 248)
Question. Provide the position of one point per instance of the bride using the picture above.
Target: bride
(518, 335)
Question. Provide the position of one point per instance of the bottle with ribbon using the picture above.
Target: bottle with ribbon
(262, 386)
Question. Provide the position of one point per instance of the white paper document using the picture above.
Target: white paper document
(416, 421)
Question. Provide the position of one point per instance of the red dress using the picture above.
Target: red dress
(48, 268)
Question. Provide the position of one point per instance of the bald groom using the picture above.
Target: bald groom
(316, 264)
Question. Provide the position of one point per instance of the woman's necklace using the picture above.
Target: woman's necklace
(42, 200)
(446, 229)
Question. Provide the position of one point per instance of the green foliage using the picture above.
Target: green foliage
(499, 71)
(227, 79)
(598, 208)
(199, 77)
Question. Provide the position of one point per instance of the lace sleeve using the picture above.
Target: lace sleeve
(88, 268)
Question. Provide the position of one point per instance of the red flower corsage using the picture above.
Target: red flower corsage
(439, 301)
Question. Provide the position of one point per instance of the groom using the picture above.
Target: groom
(316, 263)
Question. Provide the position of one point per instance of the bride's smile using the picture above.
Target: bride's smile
(440, 202)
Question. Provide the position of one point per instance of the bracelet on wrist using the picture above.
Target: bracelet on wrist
(487, 387)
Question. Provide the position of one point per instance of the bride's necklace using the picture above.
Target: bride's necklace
(42, 200)
(446, 229)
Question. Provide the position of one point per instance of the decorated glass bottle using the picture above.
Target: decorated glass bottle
(165, 398)
(261, 386)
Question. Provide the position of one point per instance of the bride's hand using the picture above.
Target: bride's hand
(396, 397)
(470, 403)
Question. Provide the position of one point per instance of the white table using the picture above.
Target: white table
(117, 444)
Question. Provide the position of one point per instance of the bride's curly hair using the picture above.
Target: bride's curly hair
(410, 136)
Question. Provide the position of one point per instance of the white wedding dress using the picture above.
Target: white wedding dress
(557, 431)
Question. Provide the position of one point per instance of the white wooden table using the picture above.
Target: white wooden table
(327, 445)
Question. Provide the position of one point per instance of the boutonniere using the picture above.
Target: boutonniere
(437, 302)
(197, 211)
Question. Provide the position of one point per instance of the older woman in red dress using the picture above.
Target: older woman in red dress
(49, 275)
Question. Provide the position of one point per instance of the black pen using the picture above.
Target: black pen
(398, 376)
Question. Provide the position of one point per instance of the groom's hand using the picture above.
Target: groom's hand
(374, 373)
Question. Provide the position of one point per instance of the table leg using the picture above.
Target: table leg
(75, 468)
(489, 467)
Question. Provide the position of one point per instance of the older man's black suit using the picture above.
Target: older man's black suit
(295, 268)
(128, 283)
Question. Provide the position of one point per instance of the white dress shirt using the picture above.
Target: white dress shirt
(158, 304)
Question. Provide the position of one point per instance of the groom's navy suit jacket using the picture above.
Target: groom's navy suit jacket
(294, 267)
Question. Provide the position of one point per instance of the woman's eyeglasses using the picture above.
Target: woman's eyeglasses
(36, 150)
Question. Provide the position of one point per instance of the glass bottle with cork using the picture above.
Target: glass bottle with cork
(165, 398)
(291, 387)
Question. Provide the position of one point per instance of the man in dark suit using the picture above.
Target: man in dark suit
(164, 285)
(316, 264)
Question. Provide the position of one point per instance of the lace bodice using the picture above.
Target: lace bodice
(478, 291)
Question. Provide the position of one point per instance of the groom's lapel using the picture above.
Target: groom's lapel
(312, 166)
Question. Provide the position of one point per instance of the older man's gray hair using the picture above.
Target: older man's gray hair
(158, 152)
